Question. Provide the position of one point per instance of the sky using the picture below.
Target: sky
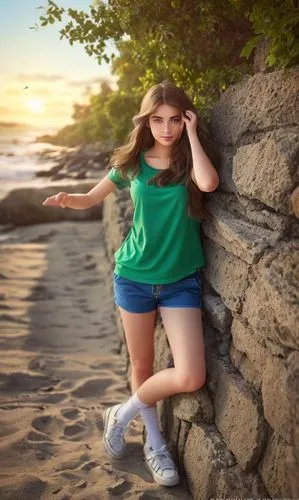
(41, 76)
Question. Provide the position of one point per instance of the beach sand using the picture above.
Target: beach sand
(61, 366)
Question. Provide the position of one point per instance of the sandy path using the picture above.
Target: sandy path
(60, 367)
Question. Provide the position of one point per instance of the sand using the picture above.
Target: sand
(61, 366)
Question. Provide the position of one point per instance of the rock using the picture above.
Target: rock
(218, 314)
(243, 410)
(294, 208)
(48, 173)
(23, 206)
(211, 468)
(253, 210)
(255, 104)
(266, 171)
(272, 297)
(226, 273)
(193, 407)
(274, 468)
(238, 236)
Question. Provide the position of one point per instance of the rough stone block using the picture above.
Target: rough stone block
(274, 468)
(238, 236)
(275, 401)
(182, 438)
(172, 431)
(194, 406)
(246, 341)
(205, 454)
(211, 469)
(257, 103)
(294, 202)
(226, 273)
(218, 314)
(266, 171)
(239, 415)
(224, 169)
(271, 300)
(292, 391)
(252, 210)
(247, 369)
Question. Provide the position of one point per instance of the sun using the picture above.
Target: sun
(36, 106)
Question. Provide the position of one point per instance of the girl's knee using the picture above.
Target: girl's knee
(191, 382)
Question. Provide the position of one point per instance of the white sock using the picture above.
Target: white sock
(154, 436)
(129, 410)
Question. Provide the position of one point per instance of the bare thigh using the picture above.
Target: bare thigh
(185, 335)
(139, 332)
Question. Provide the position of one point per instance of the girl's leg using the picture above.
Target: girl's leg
(185, 334)
(184, 330)
(139, 333)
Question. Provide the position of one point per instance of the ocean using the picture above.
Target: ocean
(20, 157)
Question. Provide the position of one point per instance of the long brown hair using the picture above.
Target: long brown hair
(127, 157)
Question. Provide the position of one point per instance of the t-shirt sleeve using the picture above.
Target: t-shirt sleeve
(115, 176)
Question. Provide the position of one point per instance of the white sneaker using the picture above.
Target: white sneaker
(161, 465)
(113, 433)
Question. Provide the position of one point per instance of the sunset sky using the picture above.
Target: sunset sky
(56, 74)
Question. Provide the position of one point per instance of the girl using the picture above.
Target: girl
(157, 264)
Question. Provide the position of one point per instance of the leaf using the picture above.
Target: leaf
(250, 45)
(271, 59)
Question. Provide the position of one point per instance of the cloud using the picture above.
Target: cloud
(91, 81)
(16, 91)
(40, 77)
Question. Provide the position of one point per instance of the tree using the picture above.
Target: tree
(202, 45)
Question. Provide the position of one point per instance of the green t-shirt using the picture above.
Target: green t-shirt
(163, 244)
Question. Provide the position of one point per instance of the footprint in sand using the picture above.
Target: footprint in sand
(37, 437)
(76, 431)
(70, 413)
(22, 381)
(48, 424)
(92, 388)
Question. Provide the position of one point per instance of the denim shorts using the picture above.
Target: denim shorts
(143, 297)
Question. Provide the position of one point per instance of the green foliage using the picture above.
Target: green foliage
(278, 23)
(202, 45)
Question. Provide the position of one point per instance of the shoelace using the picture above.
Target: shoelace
(115, 433)
(162, 459)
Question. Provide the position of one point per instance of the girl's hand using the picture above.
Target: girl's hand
(59, 200)
(190, 120)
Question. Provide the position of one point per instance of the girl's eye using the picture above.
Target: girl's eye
(175, 120)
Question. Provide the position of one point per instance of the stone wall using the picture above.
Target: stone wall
(239, 434)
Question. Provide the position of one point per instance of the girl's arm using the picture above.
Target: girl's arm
(203, 173)
(80, 201)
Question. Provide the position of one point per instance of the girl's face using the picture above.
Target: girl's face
(166, 124)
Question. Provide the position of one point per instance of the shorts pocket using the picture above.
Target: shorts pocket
(193, 278)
